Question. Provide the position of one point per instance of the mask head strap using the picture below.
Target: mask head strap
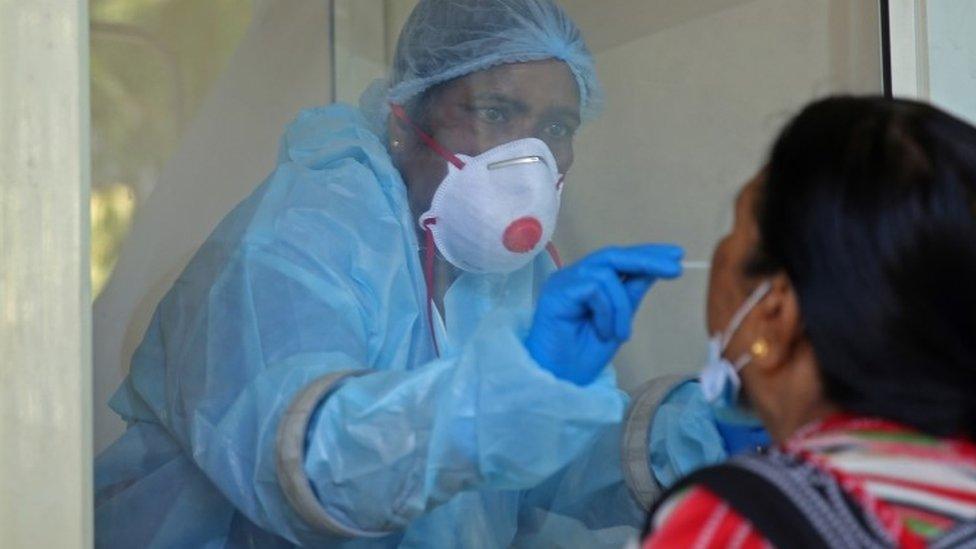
(554, 254)
(430, 248)
(429, 254)
(442, 151)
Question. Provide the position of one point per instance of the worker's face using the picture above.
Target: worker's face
(480, 111)
(729, 286)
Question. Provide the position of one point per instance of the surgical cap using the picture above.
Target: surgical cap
(447, 39)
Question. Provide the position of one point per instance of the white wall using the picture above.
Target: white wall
(951, 33)
(692, 105)
(362, 46)
(365, 41)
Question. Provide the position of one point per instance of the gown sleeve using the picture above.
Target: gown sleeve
(269, 338)
(286, 362)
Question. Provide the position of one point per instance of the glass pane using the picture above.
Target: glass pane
(241, 412)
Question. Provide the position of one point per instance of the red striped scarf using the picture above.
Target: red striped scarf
(918, 486)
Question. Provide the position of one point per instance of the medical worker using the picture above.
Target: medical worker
(372, 350)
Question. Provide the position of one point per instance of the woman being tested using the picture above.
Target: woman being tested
(362, 352)
(843, 299)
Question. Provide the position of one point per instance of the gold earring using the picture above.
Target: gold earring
(760, 348)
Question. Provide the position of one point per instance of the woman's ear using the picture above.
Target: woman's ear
(780, 325)
(398, 134)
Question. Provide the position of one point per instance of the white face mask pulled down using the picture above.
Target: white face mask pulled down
(720, 382)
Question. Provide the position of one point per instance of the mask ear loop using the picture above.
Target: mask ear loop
(428, 140)
(757, 295)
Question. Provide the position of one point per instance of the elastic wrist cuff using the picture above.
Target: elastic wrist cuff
(635, 451)
(290, 458)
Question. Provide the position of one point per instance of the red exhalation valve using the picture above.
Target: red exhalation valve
(523, 235)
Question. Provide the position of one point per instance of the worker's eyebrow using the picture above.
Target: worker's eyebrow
(567, 113)
(501, 98)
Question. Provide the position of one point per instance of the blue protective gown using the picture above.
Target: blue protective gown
(318, 272)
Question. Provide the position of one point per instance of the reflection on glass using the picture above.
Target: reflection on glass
(112, 207)
(152, 64)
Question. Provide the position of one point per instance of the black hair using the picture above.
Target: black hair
(869, 206)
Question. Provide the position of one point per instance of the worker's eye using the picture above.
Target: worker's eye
(492, 115)
(558, 130)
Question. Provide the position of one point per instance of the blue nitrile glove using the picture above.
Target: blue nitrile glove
(740, 439)
(586, 310)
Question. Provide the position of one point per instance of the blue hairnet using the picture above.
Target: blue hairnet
(447, 39)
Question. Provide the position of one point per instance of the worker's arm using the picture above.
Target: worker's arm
(381, 448)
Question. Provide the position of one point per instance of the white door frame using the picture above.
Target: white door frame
(905, 44)
(45, 296)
